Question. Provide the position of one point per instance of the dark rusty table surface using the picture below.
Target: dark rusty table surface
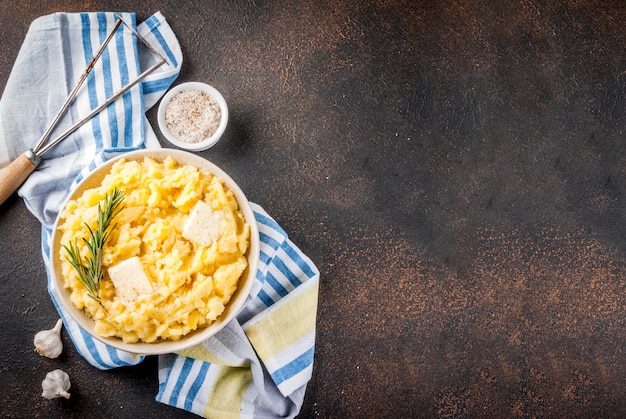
(454, 168)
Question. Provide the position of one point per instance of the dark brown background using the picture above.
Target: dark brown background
(454, 168)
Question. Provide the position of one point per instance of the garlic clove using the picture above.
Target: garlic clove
(56, 384)
(48, 343)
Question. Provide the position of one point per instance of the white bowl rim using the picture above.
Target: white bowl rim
(193, 85)
(237, 300)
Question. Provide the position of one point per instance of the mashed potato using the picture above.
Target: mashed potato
(191, 283)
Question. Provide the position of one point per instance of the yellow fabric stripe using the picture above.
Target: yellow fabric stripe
(289, 321)
(226, 398)
(202, 353)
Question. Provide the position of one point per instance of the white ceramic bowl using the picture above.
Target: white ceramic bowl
(208, 142)
(232, 308)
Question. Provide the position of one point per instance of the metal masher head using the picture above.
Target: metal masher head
(41, 147)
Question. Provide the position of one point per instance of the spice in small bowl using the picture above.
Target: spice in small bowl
(193, 116)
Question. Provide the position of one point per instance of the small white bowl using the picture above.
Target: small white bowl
(208, 142)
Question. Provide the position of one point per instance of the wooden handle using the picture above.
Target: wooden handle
(16, 173)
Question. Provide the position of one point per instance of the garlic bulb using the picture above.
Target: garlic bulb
(48, 342)
(56, 384)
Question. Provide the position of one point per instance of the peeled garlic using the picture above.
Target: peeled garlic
(48, 342)
(56, 384)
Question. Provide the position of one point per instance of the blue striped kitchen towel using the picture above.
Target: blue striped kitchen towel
(260, 363)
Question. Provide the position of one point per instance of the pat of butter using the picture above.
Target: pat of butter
(203, 224)
(130, 279)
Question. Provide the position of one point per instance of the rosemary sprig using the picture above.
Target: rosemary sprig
(90, 270)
